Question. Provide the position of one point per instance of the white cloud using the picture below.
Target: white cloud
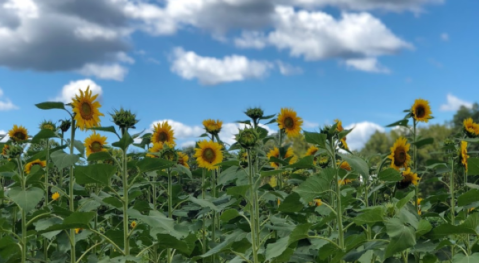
(5, 103)
(387, 5)
(112, 71)
(287, 69)
(188, 144)
(308, 124)
(212, 71)
(454, 103)
(361, 133)
(367, 64)
(445, 37)
(71, 89)
(251, 39)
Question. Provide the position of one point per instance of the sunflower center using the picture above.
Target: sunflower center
(96, 147)
(420, 112)
(399, 157)
(163, 137)
(209, 155)
(86, 111)
(20, 135)
(288, 122)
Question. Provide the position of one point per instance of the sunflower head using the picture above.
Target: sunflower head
(463, 154)
(344, 144)
(247, 138)
(124, 119)
(345, 181)
(312, 150)
(276, 153)
(157, 148)
(78, 230)
(254, 113)
(5, 149)
(95, 143)
(208, 154)
(29, 166)
(212, 127)
(47, 125)
(183, 159)
(169, 153)
(290, 154)
(133, 224)
(18, 134)
(86, 109)
(318, 202)
(323, 160)
(471, 129)
(65, 125)
(289, 122)
(273, 153)
(399, 154)
(163, 133)
(408, 179)
(55, 196)
(339, 125)
(421, 111)
(344, 165)
(273, 181)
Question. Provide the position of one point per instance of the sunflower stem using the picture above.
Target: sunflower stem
(339, 212)
(451, 191)
(72, 197)
(24, 216)
(125, 204)
(253, 216)
(46, 173)
(416, 188)
(170, 206)
(203, 196)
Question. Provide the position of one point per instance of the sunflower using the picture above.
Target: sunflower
(5, 149)
(212, 126)
(344, 144)
(323, 160)
(463, 154)
(163, 132)
(183, 159)
(273, 181)
(47, 125)
(157, 147)
(399, 156)
(29, 166)
(345, 181)
(290, 122)
(409, 177)
(208, 154)
(133, 224)
(318, 202)
(275, 153)
(86, 110)
(78, 230)
(55, 196)
(312, 150)
(95, 143)
(421, 110)
(18, 133)
(471, 128)
(344, 165)
(339, 125)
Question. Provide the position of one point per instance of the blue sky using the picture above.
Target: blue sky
(187, 60)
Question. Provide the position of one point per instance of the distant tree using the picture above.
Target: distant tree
(464, 113)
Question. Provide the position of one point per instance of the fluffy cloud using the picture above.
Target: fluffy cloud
(387, 5)
(113, 71)
(367, 64)
(454, 103)
(71, 89)
(5, 103)
(361, 133)
(287, 69)
(212, 71)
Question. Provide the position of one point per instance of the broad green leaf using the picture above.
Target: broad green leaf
(406, 199)
(403, 122)
(43, 224)
(370, 216)
(26, 199)
(291, 204)
(124, 142)
(276, 249)
(316, 185)
(448, 229)
(75, 220)
(235, 236)
(461, 258)
(468, 197)
(357, 163)
(105, 129)
(473, 166)
(94, 173)
(229, 214)
(44, 134)
(303, 163)
(79, 146)
(272, 172)
(315, 138)
(423, 142)
(401, 236)
(63, 160)
(153, 164)
(204, 203)
(51, 105)
(183, 170)
(185, 246)
(423, 228)
(99, 156)
(238, 190)
(390, 175)
(158, 222)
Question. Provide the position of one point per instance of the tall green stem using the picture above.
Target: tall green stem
(72, 197)
(416, 188)
(46, 173)
(451, 191)
(24, 215)
(253, 215)
(339, 208)
(125, 203)
(203, 195)
(170, 207)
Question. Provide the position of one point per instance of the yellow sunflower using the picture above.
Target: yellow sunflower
(78, 230)
(339, 125)
(212, 126)
(47, 125)
(18, 133)
(318, 202)
(290, 122)
(163, 132)
(133, 224)
(208, 154)
(344, 165)
(95, 143)
(464, 155)
(55, 196)
(157, 147)
(345, 181)
(344, 144)
(28, 166)
(399, 154)
(312, 150)
(183, 159)
(86, 109)
(421, 110)
(471, 128)
(275, 153)
(5, 149)
(273, 181)
(410, 177)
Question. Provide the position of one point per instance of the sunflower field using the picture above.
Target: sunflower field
(137, 198)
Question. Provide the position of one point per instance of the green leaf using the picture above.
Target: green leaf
(277, 248)
(158, 222)
(461, 258)
(423, 142)
(402, 236)
(185, 247)
(303, 163)
(26, 199)
(153, 164)
(448, 229)
(357, 163)
(291, 204)
(95, 173)
(51, 105)
(124, 142)
(406, 199)
(43, 224)
(44, 134)
(204, 203)
(79, 146)
(235, 236)
(390, 175)
(63, 160)
(272, 172)
(75, 220)
(403, 122)
(99, 156)
(316, 185)
(473, 166)
(423, 228)
(370, 216)
(315, 138)
(468, 197)
(229, 214)
(237, 190)
(183, 170)
(105, 129)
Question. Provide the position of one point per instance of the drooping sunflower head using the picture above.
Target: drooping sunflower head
(47, 125)
(29, 166)
(421, 111)
(18, 134)
(55, 196)
(399, 156)
(208, 154)
(212, 126)
(163, 132)
(289, 122)
(470, 128)
(86, 109)
(408, 179)
(344, 165)
(339, 125)
(463, 154)
(183, 159)
(95, 143)
(65, 125)
(344, 144)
